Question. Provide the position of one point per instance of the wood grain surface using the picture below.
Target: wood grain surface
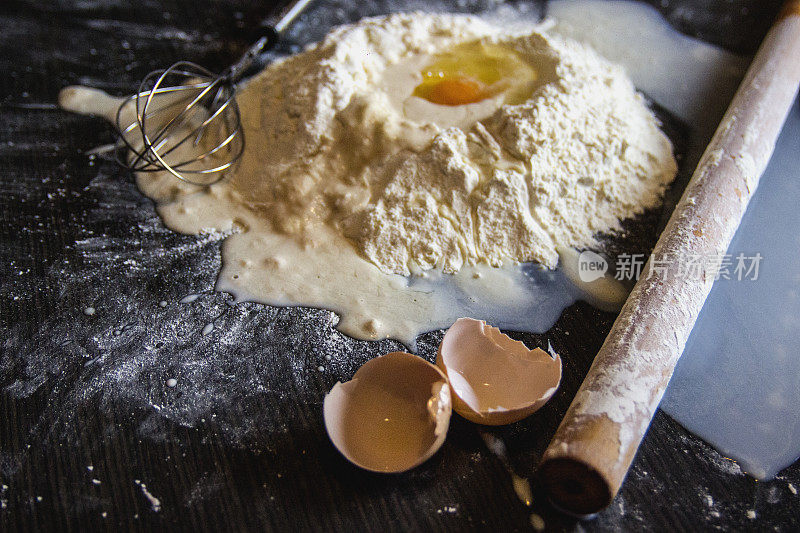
(91, 435)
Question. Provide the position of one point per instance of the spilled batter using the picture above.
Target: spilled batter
(399, 171)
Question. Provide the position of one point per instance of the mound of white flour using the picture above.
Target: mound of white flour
(333, 139)
(349, 178)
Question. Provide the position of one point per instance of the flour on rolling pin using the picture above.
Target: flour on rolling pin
(589, 456)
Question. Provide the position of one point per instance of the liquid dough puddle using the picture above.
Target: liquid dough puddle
(401, 215)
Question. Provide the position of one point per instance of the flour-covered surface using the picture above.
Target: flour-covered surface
(126, 401)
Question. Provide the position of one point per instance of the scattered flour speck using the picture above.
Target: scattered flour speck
(155, 503)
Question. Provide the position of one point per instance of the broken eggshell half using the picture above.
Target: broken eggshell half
(392, 416)
(495, 380)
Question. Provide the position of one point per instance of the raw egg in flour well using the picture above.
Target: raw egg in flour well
(471, 72)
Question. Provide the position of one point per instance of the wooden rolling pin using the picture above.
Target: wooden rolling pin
(586, 462)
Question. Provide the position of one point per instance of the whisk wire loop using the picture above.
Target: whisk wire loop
(174, 106)
(188, 102)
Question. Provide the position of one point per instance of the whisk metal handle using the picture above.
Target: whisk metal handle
(235, 72)
(272, 28)
(281, 20)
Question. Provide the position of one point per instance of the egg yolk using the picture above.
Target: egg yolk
(457, 91)
(472, 72)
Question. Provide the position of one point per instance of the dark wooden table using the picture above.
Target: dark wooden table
(92, 327)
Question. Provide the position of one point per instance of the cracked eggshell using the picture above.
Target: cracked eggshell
(392, 416)
(494, 379)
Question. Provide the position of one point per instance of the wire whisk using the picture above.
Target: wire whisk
(184, 119)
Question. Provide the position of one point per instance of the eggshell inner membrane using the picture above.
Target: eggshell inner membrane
(495, 379)
(392, 415)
